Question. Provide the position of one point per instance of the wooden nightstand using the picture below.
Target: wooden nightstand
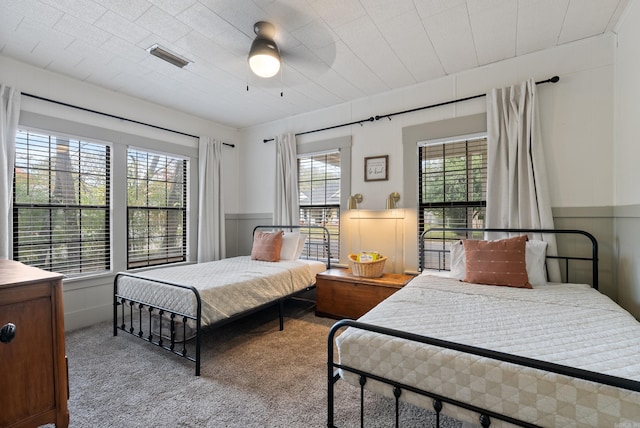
(340, 294)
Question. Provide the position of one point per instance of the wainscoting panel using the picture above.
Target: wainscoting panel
(239, 228)
(599, 222)
(627, 248)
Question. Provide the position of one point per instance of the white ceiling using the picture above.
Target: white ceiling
(334, 51)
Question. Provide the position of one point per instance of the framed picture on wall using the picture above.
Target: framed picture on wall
(376, 168)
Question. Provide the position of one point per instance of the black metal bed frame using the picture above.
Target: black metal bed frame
(139, 312)
(438, 400)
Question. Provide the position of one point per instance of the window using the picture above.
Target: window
(452, 190)
(319, 184)
(61, 200)
(156, 209)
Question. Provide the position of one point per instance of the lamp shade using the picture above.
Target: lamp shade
(264, 55)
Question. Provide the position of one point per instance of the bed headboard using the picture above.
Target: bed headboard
(435, 242)
(317, 246)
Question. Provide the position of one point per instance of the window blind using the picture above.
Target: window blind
(156, 208)
(61, 200)
(452, 192)
(319, 178)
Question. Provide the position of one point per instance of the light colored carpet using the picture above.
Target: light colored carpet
(253, 375)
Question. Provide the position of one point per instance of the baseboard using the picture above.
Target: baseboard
(88, 316)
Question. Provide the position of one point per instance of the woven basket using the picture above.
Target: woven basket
(366, 269)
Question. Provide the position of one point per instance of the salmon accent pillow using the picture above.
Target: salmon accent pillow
(501, 262)
(535, 257)
(266, 246)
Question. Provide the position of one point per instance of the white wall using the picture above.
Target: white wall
(627, 108)
(577, 124)
(626, 156)
(89, 300)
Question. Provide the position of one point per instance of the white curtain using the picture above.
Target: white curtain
(287, 203)
(9, 113)
(211, 231)
(517, 187)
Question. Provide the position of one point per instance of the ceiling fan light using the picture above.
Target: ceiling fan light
(264, 58)
(264, 65)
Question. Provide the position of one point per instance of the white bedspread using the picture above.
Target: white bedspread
(227, 287)
(571, 325)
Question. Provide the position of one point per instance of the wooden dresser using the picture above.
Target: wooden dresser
(340, 294)
(33, 369)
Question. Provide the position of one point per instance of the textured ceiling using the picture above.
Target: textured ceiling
(334, 51)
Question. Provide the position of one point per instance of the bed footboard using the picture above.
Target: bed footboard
(169, 329)
(149, 322)
(438, 401)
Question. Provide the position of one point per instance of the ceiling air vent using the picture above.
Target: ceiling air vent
(170, 57)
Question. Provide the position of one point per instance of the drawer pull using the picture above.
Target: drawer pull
(7, 333)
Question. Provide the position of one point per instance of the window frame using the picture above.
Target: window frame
(184, 209)
(343, 145)
(324, 208)
(411, 135)
(79, 206)
(120, 140)
(442, 261)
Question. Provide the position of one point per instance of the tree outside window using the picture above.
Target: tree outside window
(157, 200)
(61, 199)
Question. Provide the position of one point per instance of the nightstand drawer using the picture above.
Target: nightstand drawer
(340, 294)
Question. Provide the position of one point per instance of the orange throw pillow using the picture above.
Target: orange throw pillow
(500, 262)
(266, 246)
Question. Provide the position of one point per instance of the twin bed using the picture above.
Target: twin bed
(551, 355)
(171, 306)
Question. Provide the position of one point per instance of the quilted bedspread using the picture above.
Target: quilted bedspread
(226, 287)
(568, 324)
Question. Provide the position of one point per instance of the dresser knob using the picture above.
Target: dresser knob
(7, 333)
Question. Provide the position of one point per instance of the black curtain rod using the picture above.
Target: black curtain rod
(553, 79)
(371, 119)
(114, 116)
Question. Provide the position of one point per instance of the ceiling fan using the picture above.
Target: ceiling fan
(264, 55)
(304, 61)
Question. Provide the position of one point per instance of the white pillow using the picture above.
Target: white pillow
(301, 240)
(458, 265)
(535, 256)
(289, 246)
